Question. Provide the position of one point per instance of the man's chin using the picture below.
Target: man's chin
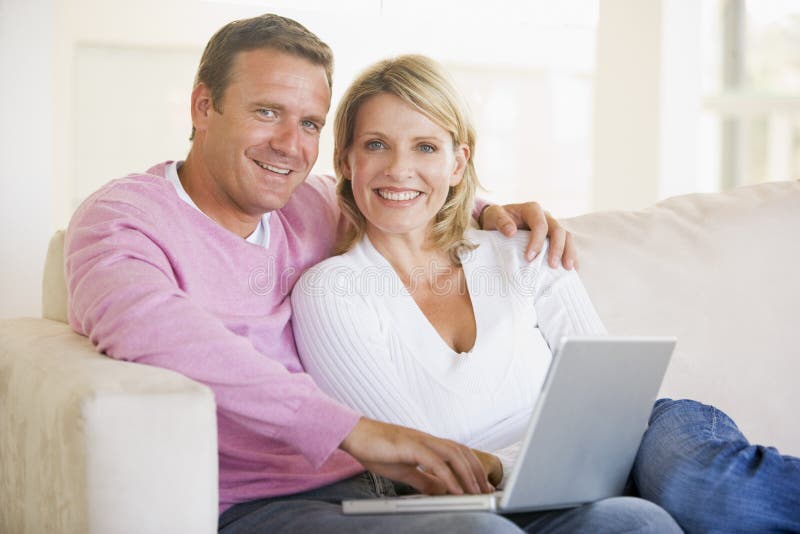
(275, 195)
(274, 202)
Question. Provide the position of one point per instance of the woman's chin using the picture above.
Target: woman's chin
(394, 229)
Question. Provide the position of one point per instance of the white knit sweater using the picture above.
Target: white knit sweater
(365, 341)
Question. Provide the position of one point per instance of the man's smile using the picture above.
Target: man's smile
(272, 168)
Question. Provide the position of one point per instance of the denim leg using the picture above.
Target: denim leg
(611, 516)
(696, 464)
(320, 511)
(614, 515)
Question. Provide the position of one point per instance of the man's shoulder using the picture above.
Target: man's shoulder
(316, 192)
(322, 183)
(137, 189)
(150, 185)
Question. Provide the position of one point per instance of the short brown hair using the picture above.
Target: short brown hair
(424, 85)
(265, 31)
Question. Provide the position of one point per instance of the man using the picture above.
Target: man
(189, 265)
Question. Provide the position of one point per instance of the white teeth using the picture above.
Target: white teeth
(404, 195)
(271, 168)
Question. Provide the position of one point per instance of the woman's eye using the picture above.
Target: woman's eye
(374, 145)
(425, 147)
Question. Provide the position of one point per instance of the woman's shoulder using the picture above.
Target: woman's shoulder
(507, 251)
(323, 273)
(351, 273)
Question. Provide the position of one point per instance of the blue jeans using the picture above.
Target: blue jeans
(696, 464)
(319, 510)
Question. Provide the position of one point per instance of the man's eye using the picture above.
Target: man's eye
(311, 125)
(266, 112)
(375, 145)
(425, 147)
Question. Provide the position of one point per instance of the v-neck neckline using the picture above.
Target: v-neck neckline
(412, 315)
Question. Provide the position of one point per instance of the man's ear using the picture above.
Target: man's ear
(202, 105)
(462, 154)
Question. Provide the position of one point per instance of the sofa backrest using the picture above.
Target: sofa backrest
(719, 272)
(54, 286)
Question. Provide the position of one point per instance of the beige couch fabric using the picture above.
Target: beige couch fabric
(719, 272)
(54, 286)
(92, 445)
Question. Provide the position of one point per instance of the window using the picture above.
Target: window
(753, 90)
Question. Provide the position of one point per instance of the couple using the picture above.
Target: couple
(188, 266)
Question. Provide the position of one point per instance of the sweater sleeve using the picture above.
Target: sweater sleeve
(341, 345)
(508, 457)
(478, 207)
(562, 304)
(124, 295)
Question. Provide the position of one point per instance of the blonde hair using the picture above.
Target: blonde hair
(423, 84)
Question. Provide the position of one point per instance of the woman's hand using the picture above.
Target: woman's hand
(491, 464)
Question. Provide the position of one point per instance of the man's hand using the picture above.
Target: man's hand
(530, 215)
(491, 464)
(429, 464)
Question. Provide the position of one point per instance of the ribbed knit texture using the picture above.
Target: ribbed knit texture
(366, 342)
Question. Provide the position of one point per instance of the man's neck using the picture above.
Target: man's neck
(202, 189)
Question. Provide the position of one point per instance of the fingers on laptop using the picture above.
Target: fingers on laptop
(431, 465)
(454, 460)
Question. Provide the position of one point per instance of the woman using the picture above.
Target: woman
(427, 323)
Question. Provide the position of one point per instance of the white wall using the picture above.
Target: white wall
(647, 102)
(26, 147)
(536, 53)
(84, 106)
(134, 115)
(62, 125)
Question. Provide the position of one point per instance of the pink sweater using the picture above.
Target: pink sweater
(154, 281)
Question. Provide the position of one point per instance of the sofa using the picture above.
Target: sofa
(92, 445)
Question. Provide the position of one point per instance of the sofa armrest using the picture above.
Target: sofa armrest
(91, 444)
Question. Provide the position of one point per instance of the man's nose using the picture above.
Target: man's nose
(285, 139)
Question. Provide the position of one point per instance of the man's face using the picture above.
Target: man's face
(261, 141)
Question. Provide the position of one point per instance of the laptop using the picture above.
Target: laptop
(583, 434)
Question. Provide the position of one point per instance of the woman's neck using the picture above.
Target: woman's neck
(412, 256)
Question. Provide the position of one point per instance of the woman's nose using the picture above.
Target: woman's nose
(399, 166)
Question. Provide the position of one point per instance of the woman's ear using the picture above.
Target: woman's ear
(344, 164)
(462, 154)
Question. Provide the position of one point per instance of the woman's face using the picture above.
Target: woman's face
(401, 166)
